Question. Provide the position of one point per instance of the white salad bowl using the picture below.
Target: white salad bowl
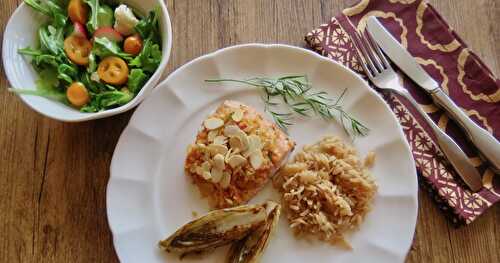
(21, 32)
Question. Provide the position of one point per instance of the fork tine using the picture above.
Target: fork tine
(377, 49)
(371, 52)
(364, 59)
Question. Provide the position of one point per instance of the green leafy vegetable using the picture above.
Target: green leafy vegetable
(295, 93)
(45, 87)
(136, 80)
(53, 10)
(56, 71)
(150, 57)
(109, 99)
(148, 27)
(105, 16)
(93, 23)
(51, 39)
(104, 47)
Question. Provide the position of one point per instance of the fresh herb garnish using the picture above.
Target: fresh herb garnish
(296, 94)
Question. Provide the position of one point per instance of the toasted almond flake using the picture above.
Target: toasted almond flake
(256, 159)
(216, 175)
(254, 142)
(236, 160)
(237, 115)
(219, 161)
(217, 148)
(199, 171)
(201, 145)
(226, 180)
(205, 166)
(231, 130)
(213, 123)
(235, 143)
(220, 140)
(212, 134)
(206, 175)
(244, 140)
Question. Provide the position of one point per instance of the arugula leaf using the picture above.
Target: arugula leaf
(110, 99)
(148, 27)
(45, 87)
(104, 48)
(105, 16)
(150, 57)
(51, 39)
(40, 59)
(51, 9)
(136, 80)
(92, 67)
(67, 72)
(93, 23)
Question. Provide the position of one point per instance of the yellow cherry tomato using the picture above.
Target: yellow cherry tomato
(133, 45)
(78, 11)
(78, 49)
(113, 70)
(78, 94)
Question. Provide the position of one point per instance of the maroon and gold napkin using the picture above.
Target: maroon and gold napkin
(461, 74)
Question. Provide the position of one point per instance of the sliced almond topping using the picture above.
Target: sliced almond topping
(226, 180)
(199, 171)
(206, 175)
(211, 135)
(216, 175)
(236, 160)
(221, 139)
(217, 148)
(228, 154)
(244, 140)
(231, 130)
(235, 143)
(213, 123)
(205, 166)
(219, 162)
(254, 142)
(237, 115)
(256, 159)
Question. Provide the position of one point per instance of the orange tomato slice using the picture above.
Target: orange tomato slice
(113, 70)
(77, 94)
(78, 11)
(78, 49)
(133, 45)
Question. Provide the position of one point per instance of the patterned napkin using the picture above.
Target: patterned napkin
(462, 75)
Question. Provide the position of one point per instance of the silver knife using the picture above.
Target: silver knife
(483, 140)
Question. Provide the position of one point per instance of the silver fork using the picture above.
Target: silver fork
(380, 72)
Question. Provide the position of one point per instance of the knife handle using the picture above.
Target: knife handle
(482, 139)
(455, 155)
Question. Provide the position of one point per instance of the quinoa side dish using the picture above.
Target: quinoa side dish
(235, 154)
(326, 190)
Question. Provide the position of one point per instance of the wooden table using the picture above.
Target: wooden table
(53, 175)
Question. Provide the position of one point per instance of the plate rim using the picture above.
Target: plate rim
(163, 84)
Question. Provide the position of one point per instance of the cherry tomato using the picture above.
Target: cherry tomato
(77, 94)
(78, 11)
(133, 45)
(78, 49)
(113, 70)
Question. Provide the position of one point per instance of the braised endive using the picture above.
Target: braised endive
(248, 227)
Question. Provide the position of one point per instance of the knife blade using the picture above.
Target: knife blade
(488, 146)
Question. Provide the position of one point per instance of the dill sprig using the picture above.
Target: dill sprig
(296, 93)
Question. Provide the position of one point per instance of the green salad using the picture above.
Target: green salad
(93, 55)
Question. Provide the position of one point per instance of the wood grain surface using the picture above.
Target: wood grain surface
(53, 175)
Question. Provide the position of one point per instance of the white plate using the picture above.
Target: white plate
(149, 196)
